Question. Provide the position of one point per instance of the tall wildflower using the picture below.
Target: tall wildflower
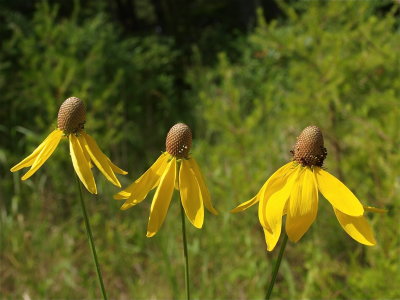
(174, 169)
(84, 154)
(293, 191)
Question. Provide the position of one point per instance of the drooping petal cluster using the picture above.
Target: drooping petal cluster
(173, 169)
(84, 153)
(39, 155)
(83, 148)
(293, 191)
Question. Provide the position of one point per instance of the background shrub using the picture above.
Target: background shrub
(247, 92)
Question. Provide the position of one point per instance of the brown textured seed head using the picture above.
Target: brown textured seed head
(71, 116)
(309, 149)
(179, 140)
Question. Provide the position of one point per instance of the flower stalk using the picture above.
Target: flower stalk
(276, 268)
(185, 253)
(91, 242)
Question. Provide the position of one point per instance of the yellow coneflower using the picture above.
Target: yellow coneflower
(83, 148)
(175, 168)
(293, 191)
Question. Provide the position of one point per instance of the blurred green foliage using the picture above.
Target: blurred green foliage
(335, 64)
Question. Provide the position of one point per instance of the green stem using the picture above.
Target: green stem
(90, 237)
(276, 268)
(185, 252)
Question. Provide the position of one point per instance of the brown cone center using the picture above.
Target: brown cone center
(71, 116)
(309, 149)
(179, 140)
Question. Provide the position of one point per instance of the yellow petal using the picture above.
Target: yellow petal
(203, 188)
(81, 165)
(122, 195)
(89, 145)
(357, 227)
(338, 194)
(375, 209)
(274, 184)
(191, 198)
(245, 205)
(115, 168)
(274, 210)
(176, 186)
(261, 192)
(302, 205)
(48, 149)
(279, 175)
(138, 190)
(85, 152)
(162, 199)
(271, 238)
(29, 160)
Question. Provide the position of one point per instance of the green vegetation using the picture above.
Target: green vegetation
(335, 64)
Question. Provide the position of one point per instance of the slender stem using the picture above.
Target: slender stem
(90, 237)
(185, 252)
(276, 268)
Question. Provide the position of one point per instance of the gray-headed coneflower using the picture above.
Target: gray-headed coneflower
(83, 148)
(174, 168)
(293, 191)
(84, 153)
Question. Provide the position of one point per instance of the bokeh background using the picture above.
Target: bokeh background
(247, 76)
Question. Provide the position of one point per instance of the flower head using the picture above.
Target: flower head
(83, 148)
(309, 149)
(71, 116)
(293, 191)
(175, 168)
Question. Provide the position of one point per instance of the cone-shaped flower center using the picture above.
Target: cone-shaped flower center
(71, 116)
(309, 149)
(179, 140)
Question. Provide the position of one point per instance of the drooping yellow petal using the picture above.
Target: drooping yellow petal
(338, 194)
(357, 227)
(29, 160)
(375, 209)
(81, 165)
(203, 187)
(245, 205)
(122, 195)
(138, 190)
(176, 186)
(274, 184)
(115, 168)
(127, 204)
(89, 145)
(47, 150)
(191, 196)
(162, 199)
(271, 239)
(274, 210)
(302, 205)
(278, 176)
(261, 192)
(85, 152)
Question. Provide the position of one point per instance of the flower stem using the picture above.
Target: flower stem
(276, 268)
(185, 253)
(90, 237)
